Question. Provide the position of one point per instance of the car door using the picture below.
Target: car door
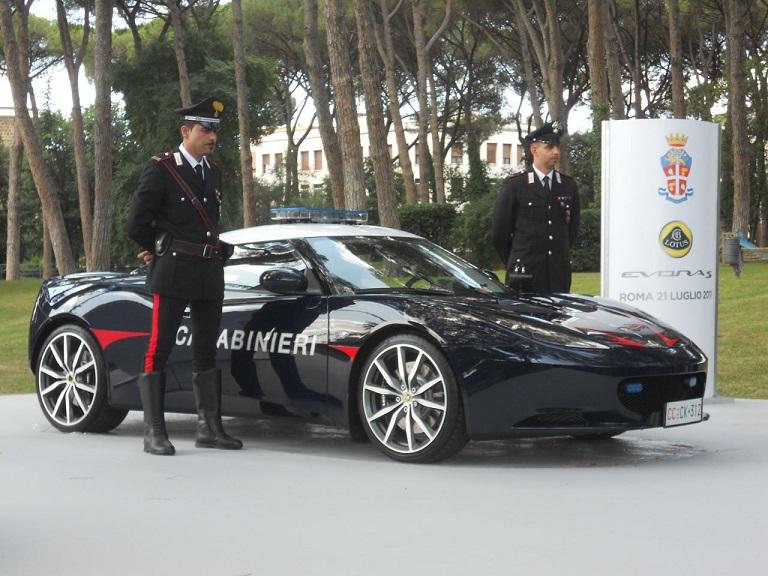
(272, 348)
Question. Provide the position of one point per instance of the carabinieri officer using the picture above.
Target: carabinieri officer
(536, 217)
(174, 217)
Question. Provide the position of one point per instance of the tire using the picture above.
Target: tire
(409, 401)
(72, 383)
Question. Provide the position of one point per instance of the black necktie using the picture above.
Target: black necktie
(546, 183)
(199, 170)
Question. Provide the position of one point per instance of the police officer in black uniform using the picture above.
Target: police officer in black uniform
(174, 217)
(536, 218)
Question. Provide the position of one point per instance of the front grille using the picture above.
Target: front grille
(564, 419)
(658, 390)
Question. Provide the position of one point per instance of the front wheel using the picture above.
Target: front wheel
(410, 402)
(72, 383)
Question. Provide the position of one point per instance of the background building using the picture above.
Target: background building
(502, 154)
(7, 122)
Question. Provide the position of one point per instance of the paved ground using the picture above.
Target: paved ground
(302, 500)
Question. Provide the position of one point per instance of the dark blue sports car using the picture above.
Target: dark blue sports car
(378, 331)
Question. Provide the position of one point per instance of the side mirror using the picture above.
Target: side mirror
(284, 281)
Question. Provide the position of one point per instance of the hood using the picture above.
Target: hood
(571, 320)
(605, 321)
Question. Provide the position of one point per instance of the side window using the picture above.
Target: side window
(244, 269)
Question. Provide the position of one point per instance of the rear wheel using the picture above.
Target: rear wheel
(410, 402)
(72, 383)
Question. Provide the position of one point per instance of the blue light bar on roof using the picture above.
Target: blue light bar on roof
(319, 215)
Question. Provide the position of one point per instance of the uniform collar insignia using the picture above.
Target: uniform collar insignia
(177, 157)
(531, 177)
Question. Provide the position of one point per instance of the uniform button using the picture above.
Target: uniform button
(550, 252)
(205, 199)
(208, 234)
(550, 237)
(183, 199)
(550, 222)
(174, 253)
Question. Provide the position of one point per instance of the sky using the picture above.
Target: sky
(57, 82)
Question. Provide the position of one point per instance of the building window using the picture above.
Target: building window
(318, 159)
(305, 161)
(491, 150)
(279, 158)
(264, 163)
(457, 153)
(507, 154)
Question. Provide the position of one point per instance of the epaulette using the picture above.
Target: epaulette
(566, 175)
(516, 174)
(163, 156)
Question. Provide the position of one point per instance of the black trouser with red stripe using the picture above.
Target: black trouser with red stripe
(167, 314)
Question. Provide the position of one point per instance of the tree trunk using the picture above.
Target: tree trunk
(129, 13)
(387, 53)
(676, 59)
(73, 61)
(346, 110)
(102, 136)
(178, 47)
(596, 59)
(421, 90)
(377, 130)
(615, 83)
(422, 59)
(637, 66)
(15, 56)
(736, 15)
(437, 147)
(530, 79)
(243, 118)
(13, 233)
(47, 252)
(320, 95)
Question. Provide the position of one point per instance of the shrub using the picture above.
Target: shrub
(472, 233)
(432, 221)
(585, 255)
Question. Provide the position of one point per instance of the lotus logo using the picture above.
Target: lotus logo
(676, 239)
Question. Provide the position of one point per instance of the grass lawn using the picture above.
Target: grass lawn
(742, 347)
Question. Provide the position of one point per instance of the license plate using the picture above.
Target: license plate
(683, 412)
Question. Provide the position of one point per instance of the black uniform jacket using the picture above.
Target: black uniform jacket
(160, 204)
(537, 229)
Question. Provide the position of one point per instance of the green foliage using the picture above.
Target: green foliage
(477, 184)
(472, 234)
(432, 221)
(584, 150)
(585, 255)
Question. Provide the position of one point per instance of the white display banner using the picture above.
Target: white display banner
(660, 198)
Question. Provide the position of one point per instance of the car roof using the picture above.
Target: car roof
(270, 232)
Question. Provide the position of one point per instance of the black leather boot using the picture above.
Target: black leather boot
(210, 432)
(152, 391)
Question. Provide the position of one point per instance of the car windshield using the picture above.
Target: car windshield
(379, 263)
